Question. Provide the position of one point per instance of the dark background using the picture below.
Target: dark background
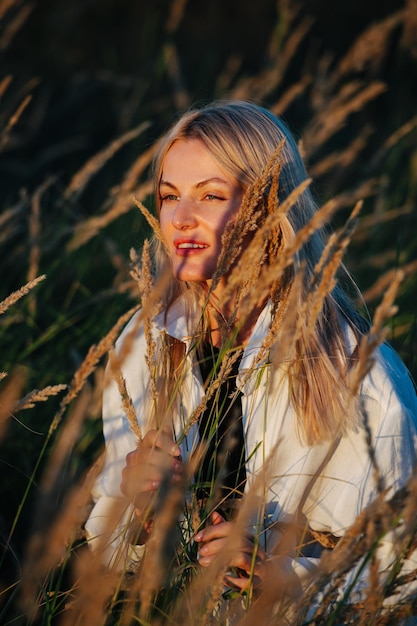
(95, 69)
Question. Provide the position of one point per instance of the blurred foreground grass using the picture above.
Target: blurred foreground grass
(67, 208)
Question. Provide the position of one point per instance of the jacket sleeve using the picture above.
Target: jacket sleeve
(390, 404)
(109, 521)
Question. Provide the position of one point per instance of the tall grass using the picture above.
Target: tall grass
(69, 287)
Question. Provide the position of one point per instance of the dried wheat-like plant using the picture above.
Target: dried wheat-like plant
(383, 282)
(251, 211)
(56, 525)
(267, 81)
(34, 233)
(89, 364)
(13, 120)
(127, 403)
(376, 335)
(38, 395)
(228, 358)
(9, 396)
(152, 221)
(88, 229)
(352, 98)
(370, 48)
(16, 295)
(93, 165)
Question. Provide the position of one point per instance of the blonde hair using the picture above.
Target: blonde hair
(242, 137)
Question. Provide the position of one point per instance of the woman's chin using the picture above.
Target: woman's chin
(192, 276)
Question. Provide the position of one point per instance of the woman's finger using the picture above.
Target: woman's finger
(161, 439)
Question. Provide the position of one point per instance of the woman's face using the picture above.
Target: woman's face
(197, 199)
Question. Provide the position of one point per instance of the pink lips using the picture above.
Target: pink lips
(184, 247)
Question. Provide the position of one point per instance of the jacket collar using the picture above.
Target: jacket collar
(180, 322)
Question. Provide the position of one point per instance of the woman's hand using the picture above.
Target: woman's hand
(156, 459)
(214, 540)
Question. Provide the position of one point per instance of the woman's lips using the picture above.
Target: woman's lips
(187, 246)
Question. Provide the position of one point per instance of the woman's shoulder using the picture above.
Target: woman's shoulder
(390, 385)
(132, 331)
(396, 374)
(174, 321)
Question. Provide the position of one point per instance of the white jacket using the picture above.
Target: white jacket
(346, 482)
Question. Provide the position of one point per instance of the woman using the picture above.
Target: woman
(253, 372)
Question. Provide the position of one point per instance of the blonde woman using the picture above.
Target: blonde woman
(254, 361)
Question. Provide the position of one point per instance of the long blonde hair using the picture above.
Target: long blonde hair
(242, 136)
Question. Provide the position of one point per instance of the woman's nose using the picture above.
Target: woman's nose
(184, 215)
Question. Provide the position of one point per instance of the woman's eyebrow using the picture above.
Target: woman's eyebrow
(166, 183)
(202, 183)
(214, 179)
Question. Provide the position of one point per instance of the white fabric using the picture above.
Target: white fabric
(345, 485)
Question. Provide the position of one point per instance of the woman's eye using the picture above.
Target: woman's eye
(169, 197)
(213, 196)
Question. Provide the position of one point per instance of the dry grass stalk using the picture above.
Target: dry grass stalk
(94, 588)
(410, 27)
(266, 82)
(361, 539)
(343, 159)
(374, 596)
(369, 222)
(5, 82)
(173, 65)
(34, 239)
(6, 5)
(34, 234)
(365, 189)
(278, 346)
(272, 273)
(95, 353)
(16, 295)
(147, 310)
(370, 48)
(18, 113)
(8, 219)
(146, 284)
(123, 202)
(3, 375)
(324, 280)
(9, 397)
(384, 281)
(127, 403)
(176, 13)
(15, 24)
(290, 95)
(202, 601)
(160, 550)
(80, 180)
(89, 228)
(134, 173)
(228, 73)
(324, 127)
(161, 554)
(67, 439)
(5, 133)
(38, 395)
(55, 529)
(251, 210)
(152, 221)
(400, 133)
(228, 359)
(376, 335)
(259, 283)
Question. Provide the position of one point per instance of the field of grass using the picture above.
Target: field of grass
(68, 223)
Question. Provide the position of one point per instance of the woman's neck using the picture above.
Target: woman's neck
(226, 319)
